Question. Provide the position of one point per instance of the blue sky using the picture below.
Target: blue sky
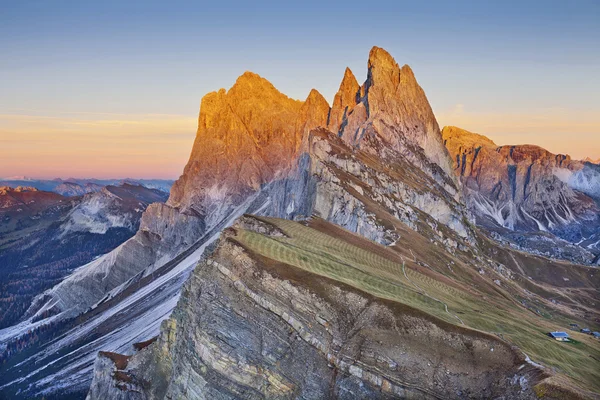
(516, 71)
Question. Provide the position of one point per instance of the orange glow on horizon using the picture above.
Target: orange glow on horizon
(158, 146)
(96, 145)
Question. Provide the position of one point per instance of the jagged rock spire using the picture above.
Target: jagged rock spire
(344, 101)
(249, 134)
(393, 107)
(314, 113)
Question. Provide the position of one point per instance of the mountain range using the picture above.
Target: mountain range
(78, 187)
(44, 236)
(351, 251)
(538, 201)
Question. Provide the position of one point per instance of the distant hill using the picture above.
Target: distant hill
(45, 235)
(77, 187)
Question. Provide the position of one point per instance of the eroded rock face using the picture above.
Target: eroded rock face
(251, 136)
(258, 150)
(526, 188)
(392, 108)
(349, 187)
(246, 136)
(248, 329)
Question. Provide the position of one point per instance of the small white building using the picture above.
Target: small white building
(560, 336)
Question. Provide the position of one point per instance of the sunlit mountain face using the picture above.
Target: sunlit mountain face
(394, 258)
(420, 221)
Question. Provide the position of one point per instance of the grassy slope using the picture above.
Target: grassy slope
(429, 279)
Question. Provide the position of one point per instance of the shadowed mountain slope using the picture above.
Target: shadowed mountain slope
(375, 164)
(529, 195)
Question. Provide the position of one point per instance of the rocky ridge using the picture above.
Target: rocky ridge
(255, 321)
(252, 136)
(374, 163)
(526, 189)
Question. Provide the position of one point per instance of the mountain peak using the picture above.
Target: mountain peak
(406, 73)
(383, 70)
(348, 74)
(392, 106)
(316, 96)
(380, 57)
(344, 101)
(250, 83)
(455, 136)
(349, 81)
(249, 76)
(245, 136)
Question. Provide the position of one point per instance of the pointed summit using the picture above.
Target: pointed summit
(245, 135)
(382, 68)
(315, 97)
(393, 107)
(348, 76)
(377, 54)
(250, 78)
(313, 114)
(344, 101)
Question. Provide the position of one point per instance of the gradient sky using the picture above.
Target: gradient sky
(107, 89)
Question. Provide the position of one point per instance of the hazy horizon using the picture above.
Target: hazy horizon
(111, 89)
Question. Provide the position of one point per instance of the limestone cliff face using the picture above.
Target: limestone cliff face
(377, 152)
(526, 188)
(246, 136)
(248, 327)
(392, 108)
(351, 188)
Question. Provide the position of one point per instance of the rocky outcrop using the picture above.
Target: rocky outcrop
(350, 187)
(392, 108)
(526, 188)
(344, 101)
(247, 136)
(76, 189)
(374, 163)
(247, 327)
(253, 135)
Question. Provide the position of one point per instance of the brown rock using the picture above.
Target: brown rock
(344, 101)
(525, 186)
(251, 134)
(397, 113)
(314, 113)
(246, 136)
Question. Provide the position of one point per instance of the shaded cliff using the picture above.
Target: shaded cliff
(375, 164)
(527, 189)
(285, 310)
